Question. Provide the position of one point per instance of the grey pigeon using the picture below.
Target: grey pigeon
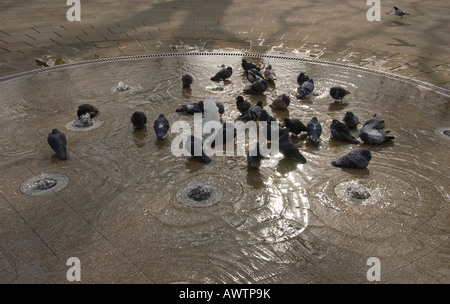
(358, 158)
(57, 141)
(306, 88)
(295, 125)
(195, 148)
(374, 123)
(253, 76)
(340, 132)
(314, 130)
(247, 65)
(288, 148)
(338, 93)
(258, 87)
(253, 113)
(254, 157)
(351, 120)
(227, 133)
(191, 108)
(399, 12)
(139, 119)
(269, 73)
(161, 127)
(223, 74)
(242, 105)
(301, 78)
(374, 136)
(187, 80)
(87, 108)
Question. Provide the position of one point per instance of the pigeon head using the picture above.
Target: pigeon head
(366, 154)
(230, 69)
(240, 99)
(349, 114)
(259, 103)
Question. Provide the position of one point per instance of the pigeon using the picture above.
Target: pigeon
(220, 106)
(253, 76)
(186, 79)
(242, 105)
(247, 65)
(191, 108)
(87, 108)
(374, 136)
(351, 120)
(253, 113)
(281, 102)
(265, 121)
(227, 133)
(399, 12)
(139, 119)
(223, 74)
(57, 141)
(161, 126)
(294, 125)
(302, 77)
(314, 130)
(338, 93)
(254, 157)
(258, 87)
(193, 145)
(374, 123)
(340, 132)
(358, 158)
(269, 73)
(306, 89)
(288, 148)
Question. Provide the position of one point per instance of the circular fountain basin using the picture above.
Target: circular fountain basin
(44, 184)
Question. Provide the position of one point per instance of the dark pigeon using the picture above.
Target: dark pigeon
(247, 65)
(265, 120)
(242, 105)
(340, 132)
(87, 108)
(281, 102)
(254, 157)
(306, 88)
(220, 106)
(351, 120)
(139, 119)
(314, 130)
(258, 87)
(338, 93)
(358, 159)
(399, 12)
(191, 108)
(161, 126)
(288, 148)
(294, 125)
(227, 133)
(253, 113)
(191, 145)
(58, 143)
(187, 80)
(301, 78)
(223, 74)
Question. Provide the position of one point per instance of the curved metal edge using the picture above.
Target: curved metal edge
(438, 89)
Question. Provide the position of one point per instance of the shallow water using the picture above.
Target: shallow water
(271, 206)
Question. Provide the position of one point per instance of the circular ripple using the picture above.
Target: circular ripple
(356, 192)
(44, 184)
(72, 126)
(442, 132)
(201, 194)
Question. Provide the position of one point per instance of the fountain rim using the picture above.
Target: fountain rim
(437, 89)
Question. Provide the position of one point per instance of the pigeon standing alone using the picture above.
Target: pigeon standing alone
(399, 12)
(58, 143)
(223, 74)
(187, 80)
(358, 159)
(161, 126)
(340, 132)
(139, 119)
(306, 88)
(281, 102)
(338, 93)
(314, 130)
